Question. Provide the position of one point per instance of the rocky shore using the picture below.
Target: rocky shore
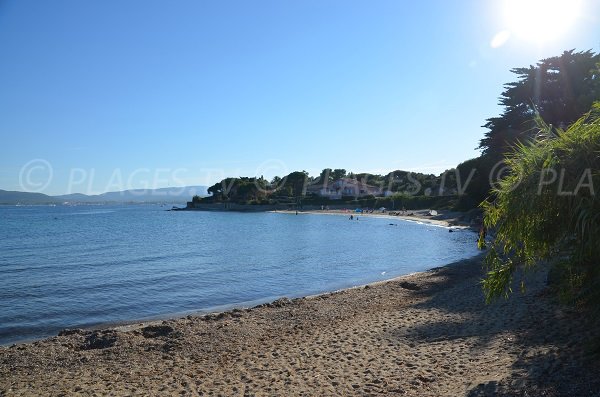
(426, 334)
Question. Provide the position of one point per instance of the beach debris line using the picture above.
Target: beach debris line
(155, 331)
(410, 286)
(99, 340)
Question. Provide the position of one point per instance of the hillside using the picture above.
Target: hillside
(170, 194)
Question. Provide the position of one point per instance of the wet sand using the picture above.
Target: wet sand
(426, 334)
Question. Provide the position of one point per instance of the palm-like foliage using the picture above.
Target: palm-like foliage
(546, 208)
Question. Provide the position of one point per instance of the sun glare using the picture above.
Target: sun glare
(540, 20)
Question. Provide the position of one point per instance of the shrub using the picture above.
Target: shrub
(546, 209)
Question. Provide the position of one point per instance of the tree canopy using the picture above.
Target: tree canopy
(239, 189)
(407, 186)
(546, 209)
(294, 184)
(338, 173)
(560, 89)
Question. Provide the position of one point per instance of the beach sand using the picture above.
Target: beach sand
(444, 218)
(426, 334)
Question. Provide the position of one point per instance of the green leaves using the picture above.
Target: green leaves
(499, 276)
(560, 88)
(546, 208)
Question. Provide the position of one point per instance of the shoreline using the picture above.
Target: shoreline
(219, 310)
(418, 216)
(228, 310)
(444, 218)
(424, 334)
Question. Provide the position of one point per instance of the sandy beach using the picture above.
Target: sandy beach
(443, 218)
(426, 334)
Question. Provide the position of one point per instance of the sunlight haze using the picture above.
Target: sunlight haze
(191, 92)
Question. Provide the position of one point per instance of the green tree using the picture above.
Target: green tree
(338, 173)
(546, 209)
(475, 176)
(295, 183)
(325, 176)
(561, 89)
(220, 190)
(371, 179)
(240, 190)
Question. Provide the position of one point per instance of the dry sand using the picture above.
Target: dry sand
(427, 334)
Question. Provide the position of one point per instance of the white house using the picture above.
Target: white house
(343, 187)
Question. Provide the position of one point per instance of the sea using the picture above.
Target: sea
(91, 265)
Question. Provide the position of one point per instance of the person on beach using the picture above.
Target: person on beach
(351, 217)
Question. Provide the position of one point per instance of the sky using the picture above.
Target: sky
(109, 95)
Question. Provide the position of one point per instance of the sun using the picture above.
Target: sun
(540, 20)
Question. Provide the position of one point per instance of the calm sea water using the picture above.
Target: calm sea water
(64, 267)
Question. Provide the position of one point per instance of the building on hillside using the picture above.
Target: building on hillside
(343, 187)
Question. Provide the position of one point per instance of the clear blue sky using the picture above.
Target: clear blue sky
(188, 92)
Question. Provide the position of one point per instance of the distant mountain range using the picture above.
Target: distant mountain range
(163, 195)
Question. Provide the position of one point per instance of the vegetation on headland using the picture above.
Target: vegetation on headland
(396, 190)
